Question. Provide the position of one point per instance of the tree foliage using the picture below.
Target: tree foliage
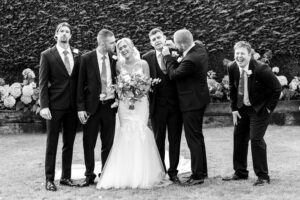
(27, 26)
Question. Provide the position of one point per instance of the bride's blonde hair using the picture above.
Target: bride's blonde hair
(129, 42)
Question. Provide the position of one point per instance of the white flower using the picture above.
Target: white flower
(179, 59)
(275, 69)
(256, 56)
(9, 102)
(28, 73)
(114, 57)
(283, 80)
(33, 84)
(175, 54)
(295, 83)
(76, 51)
(126, 77)
(26, 99)
(15, 90)
(248, 72)
(27, 90)
(102, 96)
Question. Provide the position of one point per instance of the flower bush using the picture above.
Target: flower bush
(20, 96)
(219, 92)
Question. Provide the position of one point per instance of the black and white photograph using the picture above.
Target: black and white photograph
(157, 100)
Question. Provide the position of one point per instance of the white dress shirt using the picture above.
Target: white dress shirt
(110, 94)
(62, 55)
(246, 100)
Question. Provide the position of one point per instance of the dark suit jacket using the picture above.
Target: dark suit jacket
(89, 81)
(263, 86)
(57, 87)
(191, 78)
(151, 59)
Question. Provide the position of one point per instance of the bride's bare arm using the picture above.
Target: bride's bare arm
(145, 67)
(118, 67)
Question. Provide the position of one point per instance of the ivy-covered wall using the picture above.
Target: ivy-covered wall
(27, 27)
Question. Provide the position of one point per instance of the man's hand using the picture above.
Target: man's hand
(82, 115)
(165, 51)
(45, 113)
(170, 44)
(236, 115)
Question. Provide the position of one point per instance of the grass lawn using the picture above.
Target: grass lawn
(22, 170)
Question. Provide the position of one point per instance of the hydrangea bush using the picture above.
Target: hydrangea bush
(20, 96)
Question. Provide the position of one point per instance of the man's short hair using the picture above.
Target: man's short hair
(243, 44)
(103, 34)
(62, 25)
(154, 31)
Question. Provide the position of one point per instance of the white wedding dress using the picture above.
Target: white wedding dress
(134, 160)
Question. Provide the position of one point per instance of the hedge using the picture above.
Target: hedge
(27, 27)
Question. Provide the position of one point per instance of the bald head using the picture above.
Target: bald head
(183, 36)
(183, 39)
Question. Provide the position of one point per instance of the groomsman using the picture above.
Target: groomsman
(190, 76)
(254, 93)
(58, 83)
(164, 106)
(97, 72)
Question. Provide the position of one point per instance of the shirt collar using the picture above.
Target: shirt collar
(245, 68)
(61, 50)
(186, 51)
(157, 53)
(100, 54)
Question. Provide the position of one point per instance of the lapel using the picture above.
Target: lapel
(251, 77)
(94, 61)
(236, 75)
(56, 55)
(154, 64)
(112, 67)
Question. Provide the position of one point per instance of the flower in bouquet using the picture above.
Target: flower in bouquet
(2, 82)
(132, 87)
(211, 74)
(35, 95)
(26, 99)
(16, 90)
(28, 74)
(27, 90)
(9, 102)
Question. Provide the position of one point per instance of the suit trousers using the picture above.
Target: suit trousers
(104, 119)
(168, 117)
(192, 121)
(251, 126)
(67, 122)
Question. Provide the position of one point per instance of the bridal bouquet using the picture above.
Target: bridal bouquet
(133, 87)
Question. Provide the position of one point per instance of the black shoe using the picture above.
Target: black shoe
(67, 182)
(175, 179)
(87, 182)
(50, 186)
(261, 181)
(234, 177)
(191, 182)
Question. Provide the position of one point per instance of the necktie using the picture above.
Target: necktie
(103, 76)
(241, 89)
(67, 62)
(162, 64)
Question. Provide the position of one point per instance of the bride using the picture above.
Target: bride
(134, 161)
